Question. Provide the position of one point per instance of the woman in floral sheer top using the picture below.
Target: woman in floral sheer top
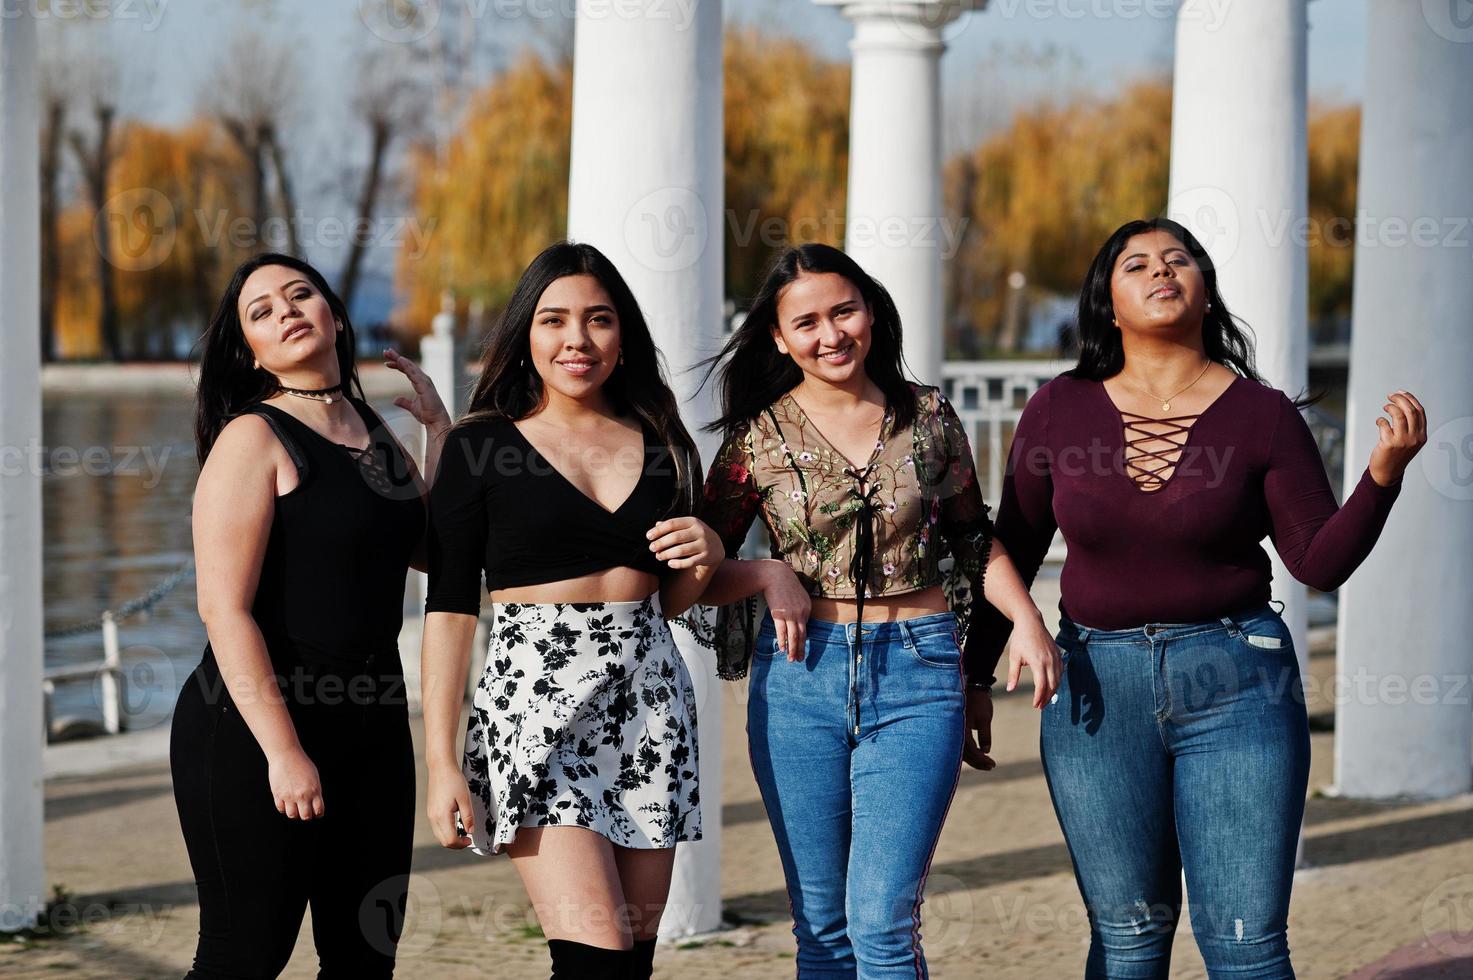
(865, 482)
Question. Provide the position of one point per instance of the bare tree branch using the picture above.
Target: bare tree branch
(251, 94)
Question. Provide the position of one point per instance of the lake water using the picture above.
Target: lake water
(116, 497)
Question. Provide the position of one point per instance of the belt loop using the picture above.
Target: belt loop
(1231, 626)
(907, 633)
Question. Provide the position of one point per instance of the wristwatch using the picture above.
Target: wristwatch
(981, 685)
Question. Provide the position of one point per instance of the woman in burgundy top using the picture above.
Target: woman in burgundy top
(1178, 738)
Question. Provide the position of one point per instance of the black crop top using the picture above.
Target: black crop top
(498, 505)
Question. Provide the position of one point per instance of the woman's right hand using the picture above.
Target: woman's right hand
(449, 795)
(790, 605)
(1031, 646)
(295, 785)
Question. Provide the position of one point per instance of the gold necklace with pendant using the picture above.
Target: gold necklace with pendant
(1166, 402)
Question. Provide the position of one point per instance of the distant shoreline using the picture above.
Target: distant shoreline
(176, 377)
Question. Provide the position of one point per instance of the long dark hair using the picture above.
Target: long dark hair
(510, 387)
(752, 373)
(228, 384)
(1225, 337)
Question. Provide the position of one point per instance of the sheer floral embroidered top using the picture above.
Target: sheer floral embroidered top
(851, 532)
(1163, 518)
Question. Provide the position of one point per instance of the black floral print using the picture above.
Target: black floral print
(585, 716)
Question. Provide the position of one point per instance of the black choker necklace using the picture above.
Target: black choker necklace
(316, 394)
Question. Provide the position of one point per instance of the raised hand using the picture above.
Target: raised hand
(1401, 437)
(426, 405)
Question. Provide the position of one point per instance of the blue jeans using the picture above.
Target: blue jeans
(857, 755)
(1181, 746)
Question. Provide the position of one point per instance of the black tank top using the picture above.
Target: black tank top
(330, 599)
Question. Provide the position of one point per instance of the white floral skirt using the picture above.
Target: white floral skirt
(584, 717)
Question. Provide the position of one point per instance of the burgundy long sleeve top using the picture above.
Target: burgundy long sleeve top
(1190, 550)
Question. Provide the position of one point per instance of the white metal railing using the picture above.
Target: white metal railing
(989, 397)
(108, 672)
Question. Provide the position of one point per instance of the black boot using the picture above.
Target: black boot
(579, 961)
(642, 960)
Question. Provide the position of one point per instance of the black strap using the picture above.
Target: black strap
(293, 448)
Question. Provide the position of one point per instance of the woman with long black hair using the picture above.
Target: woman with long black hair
(290, 750)
(860, 699)
(572, 485)
(1178, 740)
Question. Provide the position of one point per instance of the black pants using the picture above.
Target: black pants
(257, 871)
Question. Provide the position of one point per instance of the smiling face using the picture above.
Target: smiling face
(287, 322)
(823, 324)
(1156, 285)
(574, 338)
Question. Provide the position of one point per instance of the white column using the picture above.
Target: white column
(1239, 182)
(894, 218)
(1403, 725)
(646, 189)
(22, 738)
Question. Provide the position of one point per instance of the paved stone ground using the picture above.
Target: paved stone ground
(1387, 891)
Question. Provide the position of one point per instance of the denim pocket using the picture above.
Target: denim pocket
(1268, 632)
(765, 646)
(935, 649)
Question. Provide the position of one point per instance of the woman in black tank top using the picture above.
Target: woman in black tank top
(291, 754)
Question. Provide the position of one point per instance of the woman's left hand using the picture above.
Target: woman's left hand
(426, 405)
(685, 542)
(1399, 439)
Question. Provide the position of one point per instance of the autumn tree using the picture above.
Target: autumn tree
(498, 196)
(170, 197)
(1040, 196)
(1334, 155)
(786, 153)
(250, 95)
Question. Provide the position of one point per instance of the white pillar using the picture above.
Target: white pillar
(1404, 726)
(22, 738)
(646, 189)
(1239, 182)
(894, 220)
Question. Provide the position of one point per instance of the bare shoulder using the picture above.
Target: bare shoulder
(247, 455)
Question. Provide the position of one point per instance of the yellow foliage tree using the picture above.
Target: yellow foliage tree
(171, 195)
(501, 195)
(1334, 163)
(786, 153)
(500, 198)
(1042, 195)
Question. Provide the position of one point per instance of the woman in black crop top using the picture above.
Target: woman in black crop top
(571, 485)
(291, 756)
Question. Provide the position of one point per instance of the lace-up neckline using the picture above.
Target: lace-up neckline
(1153, 447)
(1151, 466)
